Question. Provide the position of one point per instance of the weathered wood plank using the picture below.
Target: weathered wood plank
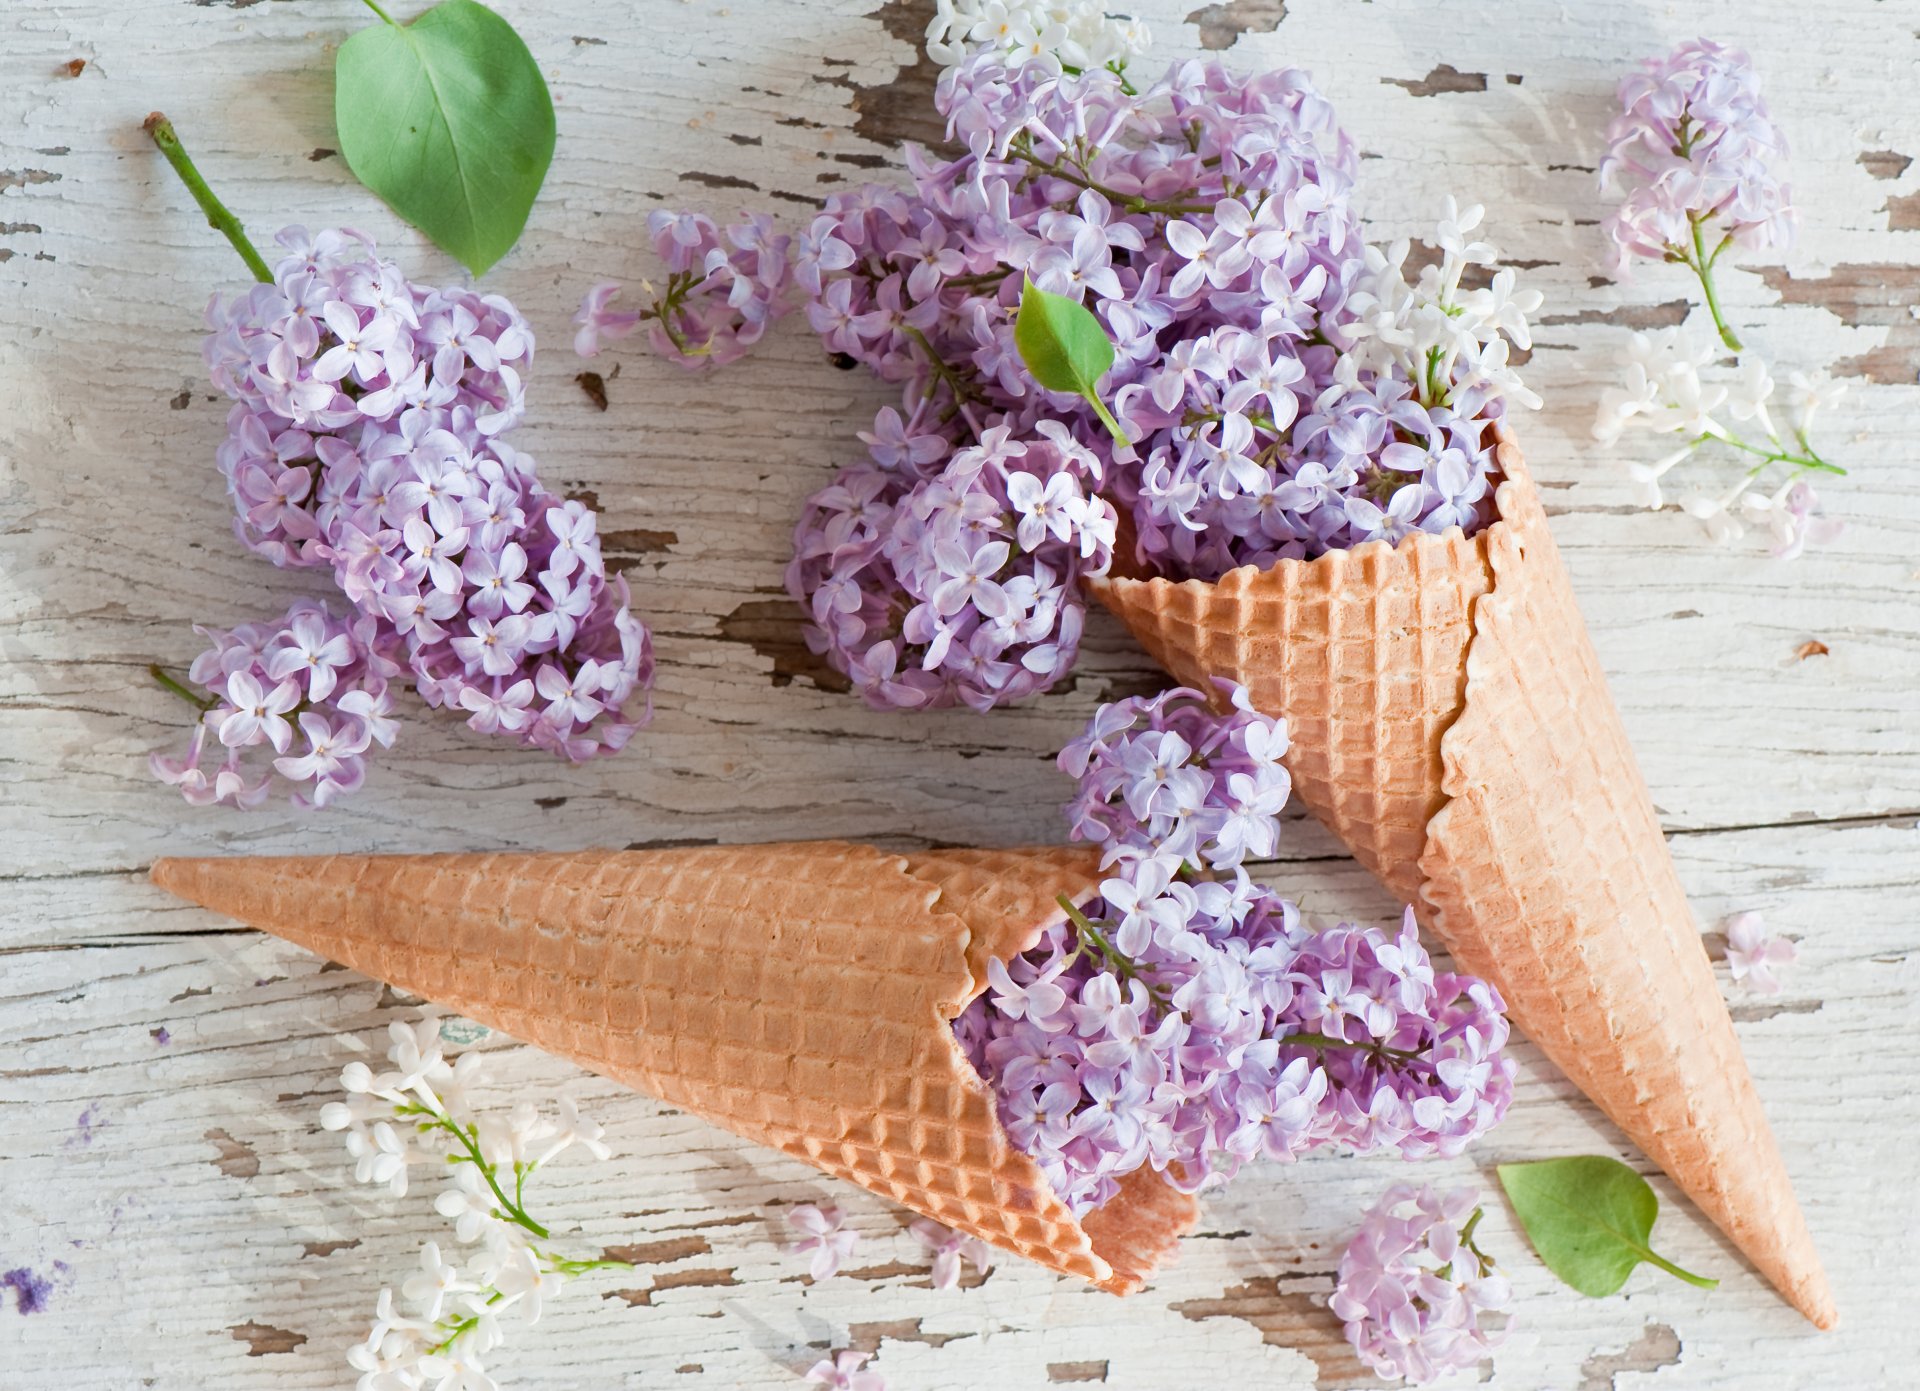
(219, 1247)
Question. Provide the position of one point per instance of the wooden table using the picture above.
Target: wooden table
(160, 1069)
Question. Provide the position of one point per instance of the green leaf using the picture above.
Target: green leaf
(448, 120)
(1589, 1218)
(1065, 348)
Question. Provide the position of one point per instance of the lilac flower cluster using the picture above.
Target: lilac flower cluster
(329, 676)
(1694, 148)
(1186, 1018)
(1413, 1288)
(936, 584)
(723, 289)
(1282, 388)
(368, 438)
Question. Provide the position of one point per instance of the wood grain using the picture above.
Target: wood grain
(160, 1070)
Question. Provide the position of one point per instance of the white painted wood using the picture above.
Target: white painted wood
(1792, 785)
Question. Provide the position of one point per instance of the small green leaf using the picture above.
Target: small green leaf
(1065, 348)
(448, 120)
(1589, 1218)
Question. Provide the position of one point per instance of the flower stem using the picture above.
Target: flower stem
(1703, 267)
(200, 703)
(1809, 461)
(1379, 1050)
(1121, 964)
(370, 4)
(218, 218)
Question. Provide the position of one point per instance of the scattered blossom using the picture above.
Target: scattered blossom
(1414, 1289)
(842, 1372)
(421, 1111)
(822, 1235)
(1186, 1018)
(1755, 957)
(310, 693)
(950, 1250)
(368, 437)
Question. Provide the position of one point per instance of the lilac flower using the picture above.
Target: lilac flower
(368, 437)
(1266, 360)
(597, 319)
(1697, 157)
(931, 588)
(950, 1249)
(1185, 1019)
(822, 1235)
(724, 287)
(842, 1372)
(328, 676)
(1753, 956)
(1413, 1288)
(1165, 781)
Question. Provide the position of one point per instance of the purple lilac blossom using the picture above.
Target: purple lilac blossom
(306, 698)
(1186, 1018)
(1697, 158)
(1413, 1288)
(368, 438)
(937, 581)
(1262, 370)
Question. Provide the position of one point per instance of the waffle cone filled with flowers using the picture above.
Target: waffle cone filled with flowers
(1449, 721)
(800, 995)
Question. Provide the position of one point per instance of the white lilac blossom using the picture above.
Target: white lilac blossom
(1284, 389)
(306, 698)
(1415, 1291)
(1698, 160)
(1753, 956)
(1063, 35)
(368, 437)
(842, 1372)
(1186, 1018)
(822, 1235)
(950, 1249)
(1670, 389)
(422, 1110)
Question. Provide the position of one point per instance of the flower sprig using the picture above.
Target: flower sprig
(1698, 157)
(422, 1109)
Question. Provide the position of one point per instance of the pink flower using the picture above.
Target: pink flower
(598, 319)
(843, 1373)
(949, 1249)
(1753, 956)
(823, 1235)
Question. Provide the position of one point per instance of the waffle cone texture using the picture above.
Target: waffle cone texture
(799, 995)
(1449, 721)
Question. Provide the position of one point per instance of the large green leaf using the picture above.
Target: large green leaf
(1590, 1219)
(449, 120)
(1065, 348)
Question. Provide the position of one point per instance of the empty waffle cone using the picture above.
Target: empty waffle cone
(799, 995)
(1449, 721)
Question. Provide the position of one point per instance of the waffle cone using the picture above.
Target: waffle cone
(1450, 722)
(799, 995)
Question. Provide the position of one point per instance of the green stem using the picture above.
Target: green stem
(382, 13)
(1810, 461)
(200, 703)
(1110, 955)
(1697, 1281)
(1703, 267)
(440, 1120)
(218, 218)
